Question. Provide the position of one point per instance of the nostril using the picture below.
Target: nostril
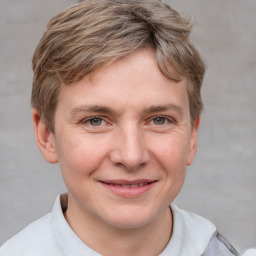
(129, 149)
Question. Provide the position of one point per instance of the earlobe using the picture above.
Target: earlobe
(44, 139)
(193, 142)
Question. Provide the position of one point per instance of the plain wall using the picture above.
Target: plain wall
(220, 185)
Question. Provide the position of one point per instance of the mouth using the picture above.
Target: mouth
(126, 188)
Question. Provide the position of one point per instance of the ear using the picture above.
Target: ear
(44, 139)
(193, 142)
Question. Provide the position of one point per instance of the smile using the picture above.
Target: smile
(130, 185)
(129, 188)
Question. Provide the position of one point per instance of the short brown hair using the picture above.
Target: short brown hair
(95, 32)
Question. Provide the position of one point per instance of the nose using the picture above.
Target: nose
(129, 149)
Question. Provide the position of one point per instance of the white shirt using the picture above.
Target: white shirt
(250, 252)
(52, 236)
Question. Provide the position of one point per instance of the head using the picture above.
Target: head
(86, 36)
(116, 98)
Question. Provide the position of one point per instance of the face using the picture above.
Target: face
(123, 139)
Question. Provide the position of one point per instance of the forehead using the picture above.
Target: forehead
(132, 81)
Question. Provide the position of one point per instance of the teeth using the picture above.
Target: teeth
(131, 185)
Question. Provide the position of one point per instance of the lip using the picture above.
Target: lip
(125, 188)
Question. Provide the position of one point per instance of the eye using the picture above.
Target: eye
(96, 124)
(95, 121)
(159, 120)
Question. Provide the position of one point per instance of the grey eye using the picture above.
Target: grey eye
(96, 121)
(159, 120)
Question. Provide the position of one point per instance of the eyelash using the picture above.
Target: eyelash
(167, 120)
(89, 119)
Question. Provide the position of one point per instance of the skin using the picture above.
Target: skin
(123, 139)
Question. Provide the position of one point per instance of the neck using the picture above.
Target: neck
(107, 240)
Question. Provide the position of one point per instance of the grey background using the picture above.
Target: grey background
(220, 185)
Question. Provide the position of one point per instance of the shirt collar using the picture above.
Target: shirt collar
(68, 241)
(191, 234)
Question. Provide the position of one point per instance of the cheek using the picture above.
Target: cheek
(171, 154)
(171, 151)
(79, 157)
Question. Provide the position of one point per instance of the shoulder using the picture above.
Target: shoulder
(250, 252)
(198, 235)
(32, 240)
(219, 245)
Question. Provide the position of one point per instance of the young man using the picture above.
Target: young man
(116, 101)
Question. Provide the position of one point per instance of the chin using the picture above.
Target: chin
(126, 224)
(130, 219)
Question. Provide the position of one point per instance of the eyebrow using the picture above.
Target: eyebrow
(92, 108)
(109, 110)
(159, 108)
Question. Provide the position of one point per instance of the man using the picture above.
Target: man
(116, 101)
